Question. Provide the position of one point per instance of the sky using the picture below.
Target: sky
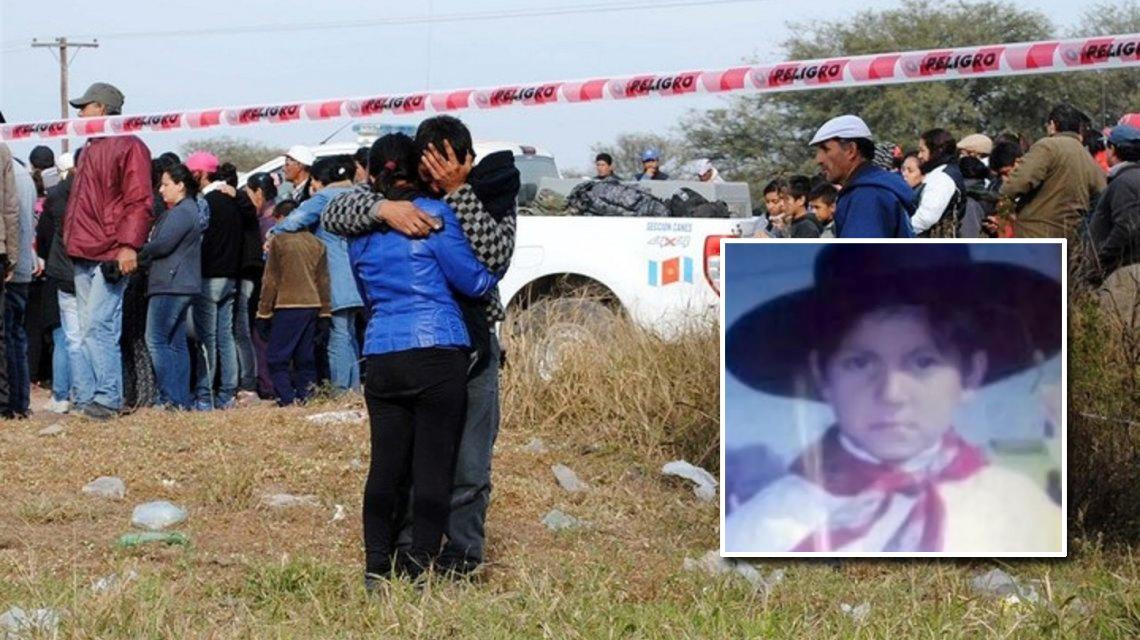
(1009, 409)
(270, 60)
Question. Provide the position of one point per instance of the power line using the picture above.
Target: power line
(453, 17)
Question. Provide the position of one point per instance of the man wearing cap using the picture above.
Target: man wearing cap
(706, 172)
(298, 162)
(1055, 181)
(1114, 227)
(976, 145)
(873, 203)
(651, 169)
(107, 220)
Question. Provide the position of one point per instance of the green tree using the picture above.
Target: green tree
(244, 154)
(756, 137)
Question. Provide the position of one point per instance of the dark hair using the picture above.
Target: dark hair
(955, 330)
(604, 157)
(943, 148)
(38, 180)
(264, 183)
(394, 158)
(158, 166)
(179, 174)
(1094, 141)
(361, 157)
(284, 208)
(779, 185)
(435, 130)
(799, 187)
(865, 146)
(973, 169)
(330, 169)
(1127, 152)
(1004, 154)
(1066, 117)
(227, 173)
(823, 191)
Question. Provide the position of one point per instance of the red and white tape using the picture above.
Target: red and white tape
(990, 61)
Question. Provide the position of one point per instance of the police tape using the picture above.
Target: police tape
(989, 61)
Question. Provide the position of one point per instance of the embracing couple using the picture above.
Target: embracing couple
(430, 235)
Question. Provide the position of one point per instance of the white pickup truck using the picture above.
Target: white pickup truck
(662, 272)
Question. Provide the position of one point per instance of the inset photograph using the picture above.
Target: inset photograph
(893, 398)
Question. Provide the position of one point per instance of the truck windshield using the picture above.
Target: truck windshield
(531, 168)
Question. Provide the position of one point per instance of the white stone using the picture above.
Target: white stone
(567, 479)
(106, 487)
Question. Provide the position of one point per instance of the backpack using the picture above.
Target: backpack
(683, 202)
(606, 198)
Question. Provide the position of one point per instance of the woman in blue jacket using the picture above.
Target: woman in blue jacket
(172, 256)
(418, 355)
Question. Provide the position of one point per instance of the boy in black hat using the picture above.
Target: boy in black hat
(895, 338)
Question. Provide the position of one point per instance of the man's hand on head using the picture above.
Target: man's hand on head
(445, 167)
(405, 218)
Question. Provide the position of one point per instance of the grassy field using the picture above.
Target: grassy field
(614, 415)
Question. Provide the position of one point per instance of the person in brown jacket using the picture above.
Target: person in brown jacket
(295, 306)
(1056, 181)
(9, 244)
(108, 217)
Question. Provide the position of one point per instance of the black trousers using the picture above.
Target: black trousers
(417, 400)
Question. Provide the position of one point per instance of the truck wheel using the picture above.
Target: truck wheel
(545, 332)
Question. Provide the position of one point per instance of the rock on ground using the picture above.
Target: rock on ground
(705, 482)
(287, 500)
(567, 479)
(106, 487)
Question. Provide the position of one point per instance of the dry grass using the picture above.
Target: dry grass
(615, 413)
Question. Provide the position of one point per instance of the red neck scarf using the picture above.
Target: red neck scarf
(839, 472)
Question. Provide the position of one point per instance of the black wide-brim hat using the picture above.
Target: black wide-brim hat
(1017, 308)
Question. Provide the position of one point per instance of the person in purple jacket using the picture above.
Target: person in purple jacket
(873, 203)
(418, 351)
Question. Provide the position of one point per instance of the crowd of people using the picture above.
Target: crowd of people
(373, 272)
(1075, 182)
(377, 272)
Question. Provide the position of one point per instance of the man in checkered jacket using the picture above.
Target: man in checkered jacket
(483, 199)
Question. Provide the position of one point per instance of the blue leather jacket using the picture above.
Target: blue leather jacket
(407, 284)
(307, 217)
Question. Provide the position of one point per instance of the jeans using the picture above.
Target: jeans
(71, 347)
(100, 304)
(214, 326)
(60, 371)
(247, 358)
(16, 348)
(344, 352)
(166, 341)
(471, 488)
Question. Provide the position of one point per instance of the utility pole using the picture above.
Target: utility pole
(62, 43)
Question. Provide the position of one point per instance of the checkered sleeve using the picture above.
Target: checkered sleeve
(350, 213)
(493, 241)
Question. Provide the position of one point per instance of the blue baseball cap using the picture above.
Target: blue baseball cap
(1123, 135)
(650, 154)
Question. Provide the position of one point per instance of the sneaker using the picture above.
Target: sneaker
(246, 398)
(96, 411)
(58, 406)
(203, 405)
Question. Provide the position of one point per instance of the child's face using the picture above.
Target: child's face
(823, 211)
(893, 390)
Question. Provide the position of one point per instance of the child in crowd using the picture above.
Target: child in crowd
(294, 301)
(821, 200)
